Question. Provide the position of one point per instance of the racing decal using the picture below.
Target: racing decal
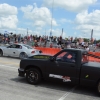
(41, 57)
(87, 76)
(65, 78)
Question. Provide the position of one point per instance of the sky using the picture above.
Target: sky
(40, 17)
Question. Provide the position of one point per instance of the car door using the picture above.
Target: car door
(18, 50)
(7, 50)
(63, 67)
(13, 50)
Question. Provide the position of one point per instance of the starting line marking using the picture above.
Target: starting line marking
(66, 94)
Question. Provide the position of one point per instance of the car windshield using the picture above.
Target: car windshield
(28, 47)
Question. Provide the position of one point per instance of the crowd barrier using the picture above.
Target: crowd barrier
(93, 59)
(53, 51)
(46, 50)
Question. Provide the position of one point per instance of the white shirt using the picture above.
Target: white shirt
(87, 49)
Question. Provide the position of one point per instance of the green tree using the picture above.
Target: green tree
(97, 41)
(86, 40)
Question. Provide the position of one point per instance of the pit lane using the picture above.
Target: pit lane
(13, 87)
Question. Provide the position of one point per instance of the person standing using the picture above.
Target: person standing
(33, 43)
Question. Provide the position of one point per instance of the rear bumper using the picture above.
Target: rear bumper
(21, 72)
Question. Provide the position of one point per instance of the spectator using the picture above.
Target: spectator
(94, 49)
(82, 44)
(68, 46)
(51, 45)
(8, 39)
(36, 44)
(33, 43)
(62, 46)
(87, 48)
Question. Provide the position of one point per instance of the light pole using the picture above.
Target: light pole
(51, 20)
(0, 23)
(45, 32)
(91, 35)
(27, 32)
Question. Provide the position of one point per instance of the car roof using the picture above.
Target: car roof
(20, 44)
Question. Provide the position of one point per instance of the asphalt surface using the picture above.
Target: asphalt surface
(13, 87)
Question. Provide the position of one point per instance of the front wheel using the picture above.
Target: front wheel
(33, 76)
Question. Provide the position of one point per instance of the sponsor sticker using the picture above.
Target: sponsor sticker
(41, 57)
(64, 78)
(87, 76)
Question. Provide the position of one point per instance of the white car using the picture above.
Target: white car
(18, 50)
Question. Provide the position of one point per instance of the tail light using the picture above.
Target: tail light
(33, 52)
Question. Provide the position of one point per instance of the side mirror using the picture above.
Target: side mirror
(52, 58)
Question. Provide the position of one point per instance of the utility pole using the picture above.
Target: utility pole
(52, 15)
(51, 20)
(62, 32)
(27, 32)
(91, 36)
(0, 24)
(45, 32)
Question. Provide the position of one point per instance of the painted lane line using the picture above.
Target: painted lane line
(66, 94)
(9, 63)
(8, 66)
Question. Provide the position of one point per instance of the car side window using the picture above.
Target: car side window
(85, 58)
(67, 57)
(61, 55)
(18, 47)
(12, 46)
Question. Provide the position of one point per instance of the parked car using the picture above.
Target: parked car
(68, 65)
(18, 50)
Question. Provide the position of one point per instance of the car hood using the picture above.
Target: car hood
(40, 56)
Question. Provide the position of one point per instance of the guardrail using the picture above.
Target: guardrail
(50, 51)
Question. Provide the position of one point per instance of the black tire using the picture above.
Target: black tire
(98, 88)
(33, 76)
(23, 55)
(1, 53)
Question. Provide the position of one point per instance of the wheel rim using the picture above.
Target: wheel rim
(99, 87)
(23, 55)
(33, 76)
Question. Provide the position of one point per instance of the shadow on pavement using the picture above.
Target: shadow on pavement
(80, 90)
(86, 91)
(11, 57)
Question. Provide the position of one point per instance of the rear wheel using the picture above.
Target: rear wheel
(1, 53)
(33, 76)
(23, 55)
